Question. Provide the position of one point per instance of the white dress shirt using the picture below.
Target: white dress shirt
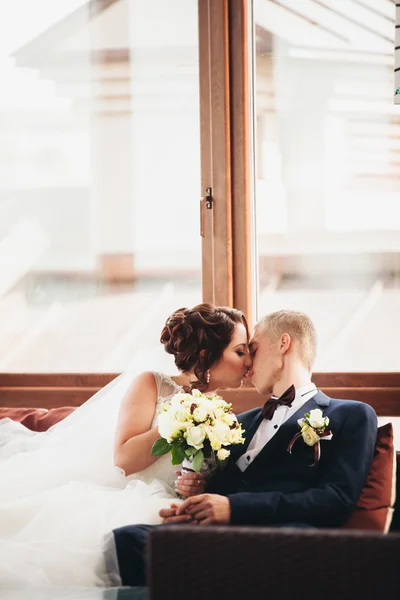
(268, 427)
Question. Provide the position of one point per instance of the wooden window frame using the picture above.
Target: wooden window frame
(52, 390)
(225, 153)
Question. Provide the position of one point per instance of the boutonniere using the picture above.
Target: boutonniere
(313, 429)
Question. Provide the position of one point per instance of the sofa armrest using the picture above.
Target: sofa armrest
(247, 562)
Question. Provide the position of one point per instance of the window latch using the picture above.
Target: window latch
(209, 199)
(206, 202)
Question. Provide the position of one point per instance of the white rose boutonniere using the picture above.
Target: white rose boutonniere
(313, 429)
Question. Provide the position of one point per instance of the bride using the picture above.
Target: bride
(64, 490)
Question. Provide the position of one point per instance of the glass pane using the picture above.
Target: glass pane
(99, 181)
(328, 186)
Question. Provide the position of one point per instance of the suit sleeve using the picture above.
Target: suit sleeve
(334, 499)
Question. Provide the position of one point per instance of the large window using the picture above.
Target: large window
(116, 116)
(327, 185)
(99, 181)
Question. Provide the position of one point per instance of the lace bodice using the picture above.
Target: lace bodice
(166, 388)
(162, 469)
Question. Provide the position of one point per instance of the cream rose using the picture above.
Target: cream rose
(215, 444)
(219, 413)
(229, 419)
(223, 454)
(196, 436)
(310, 436)
(200, 414)
(182, 414)
(234, 436)
(317, 419)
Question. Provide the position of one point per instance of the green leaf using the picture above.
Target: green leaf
(190, 451)
(160, 447)
(178, 454)
(198, 460)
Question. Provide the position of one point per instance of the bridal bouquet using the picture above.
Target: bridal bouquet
(197, 428)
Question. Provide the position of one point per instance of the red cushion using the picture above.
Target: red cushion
(374, 509)
(36, 419)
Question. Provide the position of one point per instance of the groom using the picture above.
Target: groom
(265, 484)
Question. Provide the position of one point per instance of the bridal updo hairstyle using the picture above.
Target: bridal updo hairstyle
(197, 337)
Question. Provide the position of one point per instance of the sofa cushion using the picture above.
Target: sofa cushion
(36, 419)
(395, 526)
(374, 509)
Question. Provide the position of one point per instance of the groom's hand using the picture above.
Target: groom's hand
(190, 484)
(206, 509)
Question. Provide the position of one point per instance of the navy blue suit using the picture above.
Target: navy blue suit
(279, 488)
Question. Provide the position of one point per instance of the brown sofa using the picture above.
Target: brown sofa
(395, 525)
(277, 564)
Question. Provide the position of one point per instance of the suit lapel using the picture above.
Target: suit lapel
(250, 430)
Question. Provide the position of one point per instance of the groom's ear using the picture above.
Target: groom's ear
(285, 343)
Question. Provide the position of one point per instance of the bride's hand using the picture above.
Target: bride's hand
(169, 515)
(190, 484)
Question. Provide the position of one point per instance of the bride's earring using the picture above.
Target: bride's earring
(208, 377)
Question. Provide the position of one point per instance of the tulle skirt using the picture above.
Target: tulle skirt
(61, 497)
(62, 536)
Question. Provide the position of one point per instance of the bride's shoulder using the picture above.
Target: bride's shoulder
(142, 390)
(142, 382)
(147, 378)
(159, 383)
(151, 379)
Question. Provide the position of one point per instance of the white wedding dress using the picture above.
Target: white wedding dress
(61, 495)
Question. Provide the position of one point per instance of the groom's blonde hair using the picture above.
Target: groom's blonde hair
(300, 328)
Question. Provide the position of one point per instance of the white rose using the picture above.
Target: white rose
(221, 430)
(177, 398)
(167, 427)
(223, 454)
(215, 444)
(182, 413)
(218, 434)
(229, 419)
(196, 436)
(234, 436)
(200, 413)
(219, 413)
(220, 404)
(316, 418)
(177, 405)
(208, 405)
(310, 436)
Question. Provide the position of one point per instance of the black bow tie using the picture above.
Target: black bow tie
(272, 404)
